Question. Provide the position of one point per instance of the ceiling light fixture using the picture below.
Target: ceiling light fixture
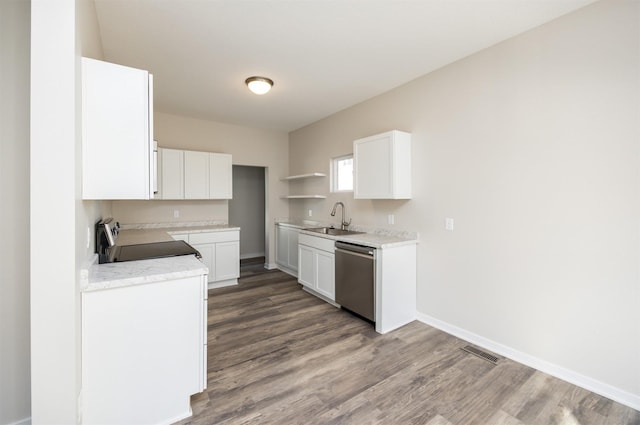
(259, 85)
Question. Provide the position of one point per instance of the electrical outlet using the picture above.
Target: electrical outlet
(448, 224)
(176, 213)
(310, 213)
(391, 219)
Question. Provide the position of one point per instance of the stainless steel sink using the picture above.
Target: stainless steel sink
(332, 231)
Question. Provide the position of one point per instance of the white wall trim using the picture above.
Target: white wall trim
(598, 387)
(270, 266)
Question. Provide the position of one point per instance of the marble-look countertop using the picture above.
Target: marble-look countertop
(128, 273)
(114, 275)
(133, 235)
(372, 237)
(373, 240)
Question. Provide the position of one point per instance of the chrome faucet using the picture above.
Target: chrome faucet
(343, 224)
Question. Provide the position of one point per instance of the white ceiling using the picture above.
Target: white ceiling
(323, 55)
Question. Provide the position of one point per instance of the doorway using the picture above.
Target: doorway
(247, 210)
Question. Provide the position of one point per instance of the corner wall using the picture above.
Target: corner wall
(15, 370)
(531, 146)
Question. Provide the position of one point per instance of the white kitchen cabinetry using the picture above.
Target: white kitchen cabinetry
(143, 351)
(220, 176)
(316, 267)
(117, 131)
(220, 252)
(382, 166)
(287, 248)
(195, 175)
(171, 172)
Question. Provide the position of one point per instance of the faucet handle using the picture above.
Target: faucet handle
(346, 223)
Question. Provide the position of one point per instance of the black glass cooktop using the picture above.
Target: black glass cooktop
(148, 251)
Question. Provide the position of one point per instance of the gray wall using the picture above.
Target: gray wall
(15, 386)
(246, 209)
(532, 146)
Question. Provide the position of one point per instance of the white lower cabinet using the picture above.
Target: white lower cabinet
(143, 351)
(208, 253)
(220, 252)
(227, 261)
(287, 249)
(316, 265)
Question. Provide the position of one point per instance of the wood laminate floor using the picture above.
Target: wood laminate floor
(278, 355)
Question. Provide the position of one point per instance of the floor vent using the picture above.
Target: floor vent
(482, 354)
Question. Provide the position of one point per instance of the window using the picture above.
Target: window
(342, 174)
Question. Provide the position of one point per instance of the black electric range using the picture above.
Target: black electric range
(108, 252)
(147, 251)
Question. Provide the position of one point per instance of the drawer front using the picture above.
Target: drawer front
(213, 237)
(317, 242)
(180, 236)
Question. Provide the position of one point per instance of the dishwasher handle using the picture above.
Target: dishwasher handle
(349, 248)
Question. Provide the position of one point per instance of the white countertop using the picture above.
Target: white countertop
(373, 240)
(130, 235)
(372, 237)
(128, 273)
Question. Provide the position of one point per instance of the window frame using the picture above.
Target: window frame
(334, 168)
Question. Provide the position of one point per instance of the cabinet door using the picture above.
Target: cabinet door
(208, 252)
(125, 355)
(372, 167)
(382, 166)
(306, 266)
(293, 249)
(325, 274)
(196, 175)
(282, 245)
(220, 176)
(227, 264)
(117, 130)
(172, 175)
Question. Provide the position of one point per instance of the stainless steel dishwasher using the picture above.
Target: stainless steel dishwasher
(355, 278)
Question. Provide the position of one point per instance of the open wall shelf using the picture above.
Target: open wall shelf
(303, 197)
(303, 176)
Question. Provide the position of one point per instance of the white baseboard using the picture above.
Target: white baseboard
(287, 270)
(593, 385)
(222, 283)
(270, 266)
(25, 421)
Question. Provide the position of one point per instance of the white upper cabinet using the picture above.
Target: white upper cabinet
(220, 176)
(194, 175)
(117, 131)
(171, 173)
(382, 166)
